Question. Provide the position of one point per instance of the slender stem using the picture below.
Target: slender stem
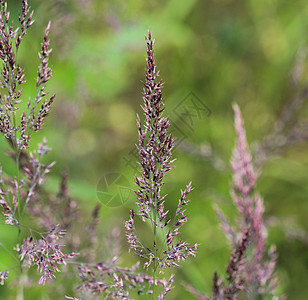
(154, 279)
(18, 187)
(20, 291)
(153, 204)
(18, 196)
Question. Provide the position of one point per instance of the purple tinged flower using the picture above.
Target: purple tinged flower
(13, 77)
(155, 151)
(45, 253)
(3, 276)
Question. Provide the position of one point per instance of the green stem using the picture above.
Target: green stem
(18, 197)
(18, 187)
(20, 291)
(154, 199)
(153, 294)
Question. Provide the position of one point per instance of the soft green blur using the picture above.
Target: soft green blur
(223, 51)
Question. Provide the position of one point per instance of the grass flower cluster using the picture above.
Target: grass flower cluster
(155, 150)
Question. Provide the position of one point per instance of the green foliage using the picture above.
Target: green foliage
(223, 51)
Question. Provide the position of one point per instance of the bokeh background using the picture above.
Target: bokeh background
(214, 52)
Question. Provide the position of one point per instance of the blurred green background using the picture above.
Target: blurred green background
(218, 52)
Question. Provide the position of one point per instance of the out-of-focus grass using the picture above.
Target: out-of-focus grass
(223, 51)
